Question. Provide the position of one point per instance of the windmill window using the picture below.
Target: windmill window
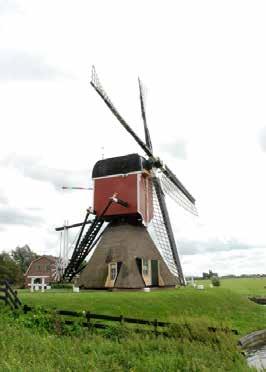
(145, 267)
(113, 271)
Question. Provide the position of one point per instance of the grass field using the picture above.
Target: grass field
(32, 350)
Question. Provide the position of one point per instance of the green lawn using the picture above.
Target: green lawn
(194, 350)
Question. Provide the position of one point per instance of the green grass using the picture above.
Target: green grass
(197, 350)
(25, 350)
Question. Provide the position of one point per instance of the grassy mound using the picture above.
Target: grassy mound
(34, 350)
(28, 344)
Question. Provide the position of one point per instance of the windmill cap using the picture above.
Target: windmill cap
(119, 165)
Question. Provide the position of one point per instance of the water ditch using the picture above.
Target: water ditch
(256, 357)
(254, 346)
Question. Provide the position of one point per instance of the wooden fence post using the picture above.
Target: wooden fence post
(88, 318)
(155, 323)
(6, 289)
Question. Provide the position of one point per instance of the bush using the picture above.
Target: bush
(61, 286)
(216, 281)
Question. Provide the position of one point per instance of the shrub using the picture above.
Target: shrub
(216, 281)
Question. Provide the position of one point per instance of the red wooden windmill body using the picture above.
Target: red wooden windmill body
(127, 177)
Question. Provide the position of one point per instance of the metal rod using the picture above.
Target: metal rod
(70, 226)
(76, 188)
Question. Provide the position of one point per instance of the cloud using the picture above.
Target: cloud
(262, 139)
(190, 247)
(176, 149)
(3, 198)
(13, 216)
(33, 168)
(20, 66)
(8, 6)
(236, 262)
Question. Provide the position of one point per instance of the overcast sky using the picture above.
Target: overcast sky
(203, 63)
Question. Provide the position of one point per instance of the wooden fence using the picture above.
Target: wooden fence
(9, 296)
(87, 318)
(154, 326)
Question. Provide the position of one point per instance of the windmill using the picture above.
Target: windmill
(129, 200)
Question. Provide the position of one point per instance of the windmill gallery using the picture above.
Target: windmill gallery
(127, 234)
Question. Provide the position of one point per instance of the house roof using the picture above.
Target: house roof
(49, 257)
(123, 243)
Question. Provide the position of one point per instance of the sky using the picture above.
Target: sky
(203, 66)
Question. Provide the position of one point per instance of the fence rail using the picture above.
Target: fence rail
(9, 296)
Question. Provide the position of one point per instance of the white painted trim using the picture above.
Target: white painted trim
(138, 199)
(110, 272)
(93, 185)
(118, 175)
(138, 192)
(38, 276)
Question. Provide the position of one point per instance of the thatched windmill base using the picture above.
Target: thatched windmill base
(126, 258)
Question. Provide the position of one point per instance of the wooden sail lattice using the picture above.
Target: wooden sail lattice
(160, 235)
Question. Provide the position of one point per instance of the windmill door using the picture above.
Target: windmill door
(154, 273)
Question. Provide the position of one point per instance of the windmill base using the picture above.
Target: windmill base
(126, 258)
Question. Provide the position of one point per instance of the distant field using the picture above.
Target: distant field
(245, 286)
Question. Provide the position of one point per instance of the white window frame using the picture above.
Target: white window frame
(113, 265)
(145, 267)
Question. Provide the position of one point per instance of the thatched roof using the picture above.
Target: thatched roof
(123, 243)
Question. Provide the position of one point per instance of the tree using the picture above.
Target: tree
(23, 257)
(9, 269)
(209, 275)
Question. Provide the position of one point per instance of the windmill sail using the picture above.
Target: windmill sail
(164, 233)
(95, 82)
(161, 222)
(177, 195)
(143, 114)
